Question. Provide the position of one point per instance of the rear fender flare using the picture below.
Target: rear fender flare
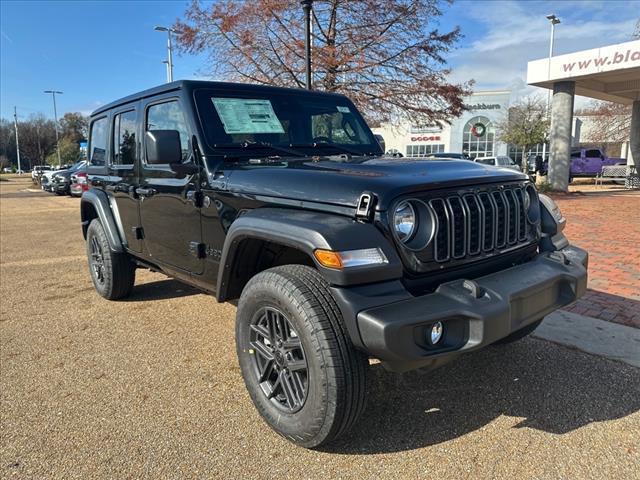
(95, 203)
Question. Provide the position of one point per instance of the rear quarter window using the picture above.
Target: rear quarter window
(98, 141)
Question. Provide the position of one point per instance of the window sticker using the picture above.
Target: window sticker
(343, 109)
(247, 115)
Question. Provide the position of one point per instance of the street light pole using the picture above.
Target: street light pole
(169, 60)
(55, 117)
(307, 5)
(15, 121)
(554, 21)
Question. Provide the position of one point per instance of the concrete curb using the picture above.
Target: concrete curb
(598, 337)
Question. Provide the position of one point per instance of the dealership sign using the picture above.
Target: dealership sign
(483, 106)
(587, 62)
(432, 138)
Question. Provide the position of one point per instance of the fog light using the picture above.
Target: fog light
(435, 334)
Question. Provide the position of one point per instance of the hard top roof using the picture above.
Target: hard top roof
(194, 84)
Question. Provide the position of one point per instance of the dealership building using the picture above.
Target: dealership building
(474, 132)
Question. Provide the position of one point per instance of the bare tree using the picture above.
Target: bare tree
(525, 125)
(609, 122)
(388, 57)
(37, 139)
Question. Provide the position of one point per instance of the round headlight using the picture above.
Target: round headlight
(404, 221)
(532, 204)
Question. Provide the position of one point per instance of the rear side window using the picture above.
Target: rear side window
(98, 142)
(592, 154)
(124, 138)
(169, 116)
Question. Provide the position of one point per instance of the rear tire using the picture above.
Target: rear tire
(303, 374)
(113, 273)
(520, 334)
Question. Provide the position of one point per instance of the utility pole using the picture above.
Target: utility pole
(307, 5)
(15, 122)
(55, 117)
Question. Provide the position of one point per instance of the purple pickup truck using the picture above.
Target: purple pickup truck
(585, 162)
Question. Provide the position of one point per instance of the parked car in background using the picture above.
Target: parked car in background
(79, 183)
(585, 162)
(503, 161)
(37, 172)
(6, 170)
(458, 156)
(59, 181)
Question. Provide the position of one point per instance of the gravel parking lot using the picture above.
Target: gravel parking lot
(150, 387)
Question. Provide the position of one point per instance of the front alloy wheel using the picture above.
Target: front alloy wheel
(279, 360)
(301, 370)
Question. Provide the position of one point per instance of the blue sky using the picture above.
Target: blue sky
(96, 52)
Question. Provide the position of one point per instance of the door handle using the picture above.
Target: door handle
(145, 192)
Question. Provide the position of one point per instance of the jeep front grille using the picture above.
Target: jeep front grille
(470, 224)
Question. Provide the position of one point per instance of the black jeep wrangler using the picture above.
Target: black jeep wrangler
(283, 201)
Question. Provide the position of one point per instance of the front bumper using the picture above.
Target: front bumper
(474, 313)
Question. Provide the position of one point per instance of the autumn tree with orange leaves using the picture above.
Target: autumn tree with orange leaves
(388, 57)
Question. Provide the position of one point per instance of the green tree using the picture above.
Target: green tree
(69, 152)
(74, 126)
(525, 126)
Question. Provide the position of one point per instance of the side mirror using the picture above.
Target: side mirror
(163, 146)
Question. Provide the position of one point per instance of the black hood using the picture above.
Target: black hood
(342, 182)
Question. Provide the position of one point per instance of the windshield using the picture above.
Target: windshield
(283, 124)
(77, 166)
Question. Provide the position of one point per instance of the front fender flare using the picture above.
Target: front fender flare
(97, 201)
(308, 231)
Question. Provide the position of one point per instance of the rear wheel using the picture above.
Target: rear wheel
(300, 368)
(113, 273)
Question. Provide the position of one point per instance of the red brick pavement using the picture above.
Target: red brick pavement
(607, 225)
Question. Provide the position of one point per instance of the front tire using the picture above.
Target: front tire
(113, 273)
(301, 370)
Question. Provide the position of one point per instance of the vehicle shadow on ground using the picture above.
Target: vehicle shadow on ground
(552, 388)
(160, 290)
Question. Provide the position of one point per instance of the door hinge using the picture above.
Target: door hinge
(197, 249)
(138, 233)
(195, 197)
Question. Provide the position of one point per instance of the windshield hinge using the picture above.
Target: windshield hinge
(366, 205)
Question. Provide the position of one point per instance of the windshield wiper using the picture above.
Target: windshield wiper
(342, 148)
(264, 145)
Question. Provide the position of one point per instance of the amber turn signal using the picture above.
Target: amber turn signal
(328, 259)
